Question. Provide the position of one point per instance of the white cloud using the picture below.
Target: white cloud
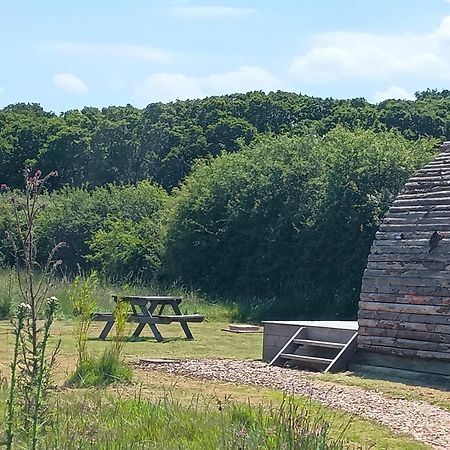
(122, 51)
(172, 86)
(210, 12)
(367, 56)
(392, 92)
(246, 78)
(165, 87)
(69, 82)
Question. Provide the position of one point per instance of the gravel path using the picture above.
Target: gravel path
(426, 423)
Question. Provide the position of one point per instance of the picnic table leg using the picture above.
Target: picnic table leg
(106, 330)
(140, 327)
(156, 332)
(147, 313)
(138, 330)
(183, 324)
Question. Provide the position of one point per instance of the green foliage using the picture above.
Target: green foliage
(286, 225)
(5, 309)
(128, 250)
(121, 313)
(103, 421)
(270, 222)
(219, 236)
(6, 226)
(80, 217)
(84, 306)
(161, 143)
(366, 172)
(109, 367)
(100, 371)
(7, 294)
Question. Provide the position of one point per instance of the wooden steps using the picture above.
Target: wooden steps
(308, 359)
(318, 348)
(318, 343)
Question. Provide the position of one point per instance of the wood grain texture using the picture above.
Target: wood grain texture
(404, 308)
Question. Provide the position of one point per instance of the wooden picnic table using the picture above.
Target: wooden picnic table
(149, 310)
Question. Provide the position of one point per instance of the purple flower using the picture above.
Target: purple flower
(3, 187)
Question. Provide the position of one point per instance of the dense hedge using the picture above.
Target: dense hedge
(282, 226)
(115, 229)
(286, 225)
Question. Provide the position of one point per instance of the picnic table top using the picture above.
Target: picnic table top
(149, 298)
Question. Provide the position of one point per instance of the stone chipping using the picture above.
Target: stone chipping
(424, 422)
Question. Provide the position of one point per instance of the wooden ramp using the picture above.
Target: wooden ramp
(318, 348)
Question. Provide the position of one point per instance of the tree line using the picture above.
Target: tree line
(271, 201)
(161, 143)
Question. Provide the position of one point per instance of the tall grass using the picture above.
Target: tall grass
(105, 421)
(109, 368)
(9, 293)
(193, 302)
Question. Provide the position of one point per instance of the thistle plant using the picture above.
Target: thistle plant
(32, 364)
(23, 310)
(44, 369)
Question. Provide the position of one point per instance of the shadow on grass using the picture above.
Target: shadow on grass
(440, 382)
(144, 339)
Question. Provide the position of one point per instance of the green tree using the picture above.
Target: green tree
(289, 221)
(74, 215)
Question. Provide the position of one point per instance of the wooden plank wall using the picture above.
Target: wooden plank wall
(404, 308)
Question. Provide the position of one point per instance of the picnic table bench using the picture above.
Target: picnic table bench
(149, 310)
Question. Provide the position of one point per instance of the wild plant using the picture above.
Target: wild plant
(109, 366)
(22, 312)
(32, 365)
(44, 370)
(121, 314)
(84, 306)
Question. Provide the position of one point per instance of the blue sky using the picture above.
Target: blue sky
(67, 55)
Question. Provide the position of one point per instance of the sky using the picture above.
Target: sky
(67, 55)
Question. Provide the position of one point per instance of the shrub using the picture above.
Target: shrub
(100, 371)
(288, 222)
(5, 309)
(109, 367)
(128, 250)
(6, 226)
(84, 306)
(8, 293)
(75, 215)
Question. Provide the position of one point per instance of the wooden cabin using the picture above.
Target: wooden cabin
(404, 308)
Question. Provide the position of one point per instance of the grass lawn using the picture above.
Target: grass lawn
(205, 416)
(368, 434)
(211, 342)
